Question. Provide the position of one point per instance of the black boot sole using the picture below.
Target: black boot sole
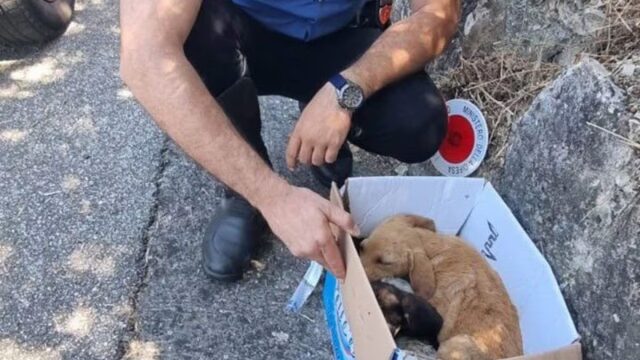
(262, 229)
(221, 277)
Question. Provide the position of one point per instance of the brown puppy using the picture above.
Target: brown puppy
(480, 322)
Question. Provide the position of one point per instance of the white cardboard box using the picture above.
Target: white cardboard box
(472, 209)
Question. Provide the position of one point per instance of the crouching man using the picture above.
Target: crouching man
(198, 66)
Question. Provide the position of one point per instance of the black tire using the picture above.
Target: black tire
(24, 22)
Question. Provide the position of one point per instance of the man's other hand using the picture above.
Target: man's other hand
(301, 219)
(320, 131)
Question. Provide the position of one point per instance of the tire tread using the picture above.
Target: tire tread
(19, 26)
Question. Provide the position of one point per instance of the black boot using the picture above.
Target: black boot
(232, 236)
(237, 227)
(337, 171)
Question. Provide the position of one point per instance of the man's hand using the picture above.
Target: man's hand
(301, 218)
(320, 132)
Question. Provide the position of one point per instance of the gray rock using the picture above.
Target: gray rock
(540, 29)
(576, 190)
(401, 10)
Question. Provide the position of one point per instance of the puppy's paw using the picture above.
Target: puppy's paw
(461, 347)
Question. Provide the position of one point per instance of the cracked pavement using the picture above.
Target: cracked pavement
(101, 219)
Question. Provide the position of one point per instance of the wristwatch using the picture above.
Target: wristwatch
(350, 95)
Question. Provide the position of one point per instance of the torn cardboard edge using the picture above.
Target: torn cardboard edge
(370, 334)
(472, 209)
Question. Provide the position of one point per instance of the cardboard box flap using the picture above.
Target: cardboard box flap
(569, 352)
(448, 201)
(544, 318)
(371, 337)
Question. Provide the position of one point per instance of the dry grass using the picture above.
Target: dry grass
(503, 85)
(618, 43)
(620, 37)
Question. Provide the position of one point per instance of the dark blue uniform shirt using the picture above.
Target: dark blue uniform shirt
(302, 19)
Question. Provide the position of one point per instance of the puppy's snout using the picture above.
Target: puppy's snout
(362, 243)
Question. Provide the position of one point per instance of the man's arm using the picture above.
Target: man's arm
(154, 66)
(157, 72)
(401, 50)
(407, 45)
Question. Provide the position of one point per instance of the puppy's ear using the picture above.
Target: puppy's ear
(420, 222)
(421, 275)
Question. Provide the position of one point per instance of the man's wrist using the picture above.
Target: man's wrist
(272, 188)
(362, 81)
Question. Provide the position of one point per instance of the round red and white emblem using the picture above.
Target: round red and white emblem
(466, 143)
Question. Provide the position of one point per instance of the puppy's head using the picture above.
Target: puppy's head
(389, 250)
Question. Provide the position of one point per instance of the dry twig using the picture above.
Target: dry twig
(623, 139)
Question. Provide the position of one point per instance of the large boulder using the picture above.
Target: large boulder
(534, 28)
(576, 190)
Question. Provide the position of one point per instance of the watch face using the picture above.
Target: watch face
(352, 97)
